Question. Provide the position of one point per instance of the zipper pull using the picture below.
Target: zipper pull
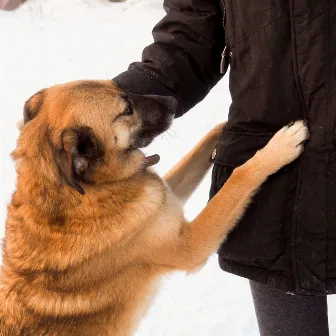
(223, 64)
(223, 61)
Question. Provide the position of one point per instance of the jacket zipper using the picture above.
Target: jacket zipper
(226, 52)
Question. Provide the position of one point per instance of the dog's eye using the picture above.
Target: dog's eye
(128, 111)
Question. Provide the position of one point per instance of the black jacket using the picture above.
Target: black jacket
(282, 56)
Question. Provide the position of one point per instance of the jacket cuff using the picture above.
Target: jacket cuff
(139, 82)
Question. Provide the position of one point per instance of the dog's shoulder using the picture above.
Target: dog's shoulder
(167, 219)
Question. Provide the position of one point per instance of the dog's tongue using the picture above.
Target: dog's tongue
(152, 160)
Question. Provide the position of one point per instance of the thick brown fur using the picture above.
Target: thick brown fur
(91, 229)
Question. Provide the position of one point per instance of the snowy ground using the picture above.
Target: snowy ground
(52, 41)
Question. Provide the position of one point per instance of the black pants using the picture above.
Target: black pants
(282, 314)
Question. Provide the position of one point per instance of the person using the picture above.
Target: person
(10, 4)
(281, 56)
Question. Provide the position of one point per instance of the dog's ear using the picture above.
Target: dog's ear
(80, 151)
(33, 105)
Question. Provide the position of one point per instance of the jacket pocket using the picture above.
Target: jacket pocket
(259, 237)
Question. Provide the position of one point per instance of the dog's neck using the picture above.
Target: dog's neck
(40, 185)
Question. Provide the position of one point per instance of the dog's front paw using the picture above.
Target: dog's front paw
(285, 146)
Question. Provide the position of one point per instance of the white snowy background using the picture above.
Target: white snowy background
(46, 42)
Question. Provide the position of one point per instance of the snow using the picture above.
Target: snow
(51, 41)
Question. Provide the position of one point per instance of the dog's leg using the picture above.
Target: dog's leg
(187, 174)
(202, 237)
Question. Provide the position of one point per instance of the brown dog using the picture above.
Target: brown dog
(91, 229)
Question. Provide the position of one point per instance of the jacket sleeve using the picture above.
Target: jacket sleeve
(184, 59)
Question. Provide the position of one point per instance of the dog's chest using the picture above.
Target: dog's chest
(167, 223)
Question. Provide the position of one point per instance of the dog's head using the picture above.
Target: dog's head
(91, 131)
